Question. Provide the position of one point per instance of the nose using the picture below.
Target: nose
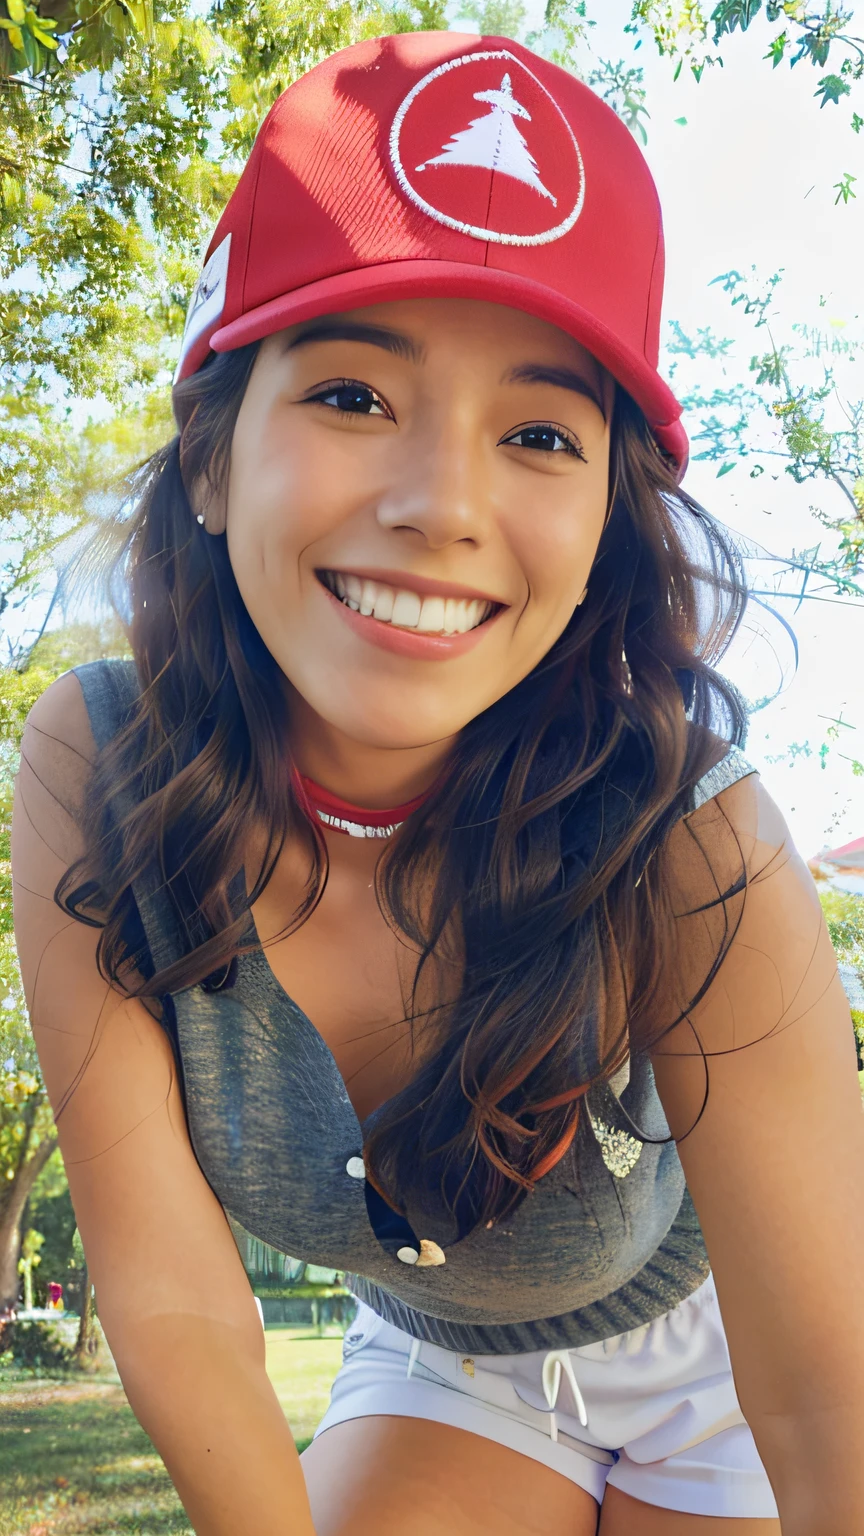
(442, 491)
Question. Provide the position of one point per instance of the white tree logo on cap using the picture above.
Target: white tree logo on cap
(492, 142)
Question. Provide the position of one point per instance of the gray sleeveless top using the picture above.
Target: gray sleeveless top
(608, 1240)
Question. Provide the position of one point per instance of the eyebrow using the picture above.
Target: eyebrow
(401, 345)
(354, 330)
(562, 378)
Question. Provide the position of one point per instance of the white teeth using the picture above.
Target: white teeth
(431, 615)
(384, 604)
(407, 610)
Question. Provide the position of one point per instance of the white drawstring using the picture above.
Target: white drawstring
(555, 1361)
(412, 1355)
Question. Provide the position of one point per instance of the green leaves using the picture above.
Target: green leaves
(777, 49)
(796, 407)
(758, 303)
(844, 186)
(831, 88)
(567, 27)
(624, 89)
(28, 34)
(770, 368)
(680, 29)
(731, 14)
(140, 13)
(494, 18)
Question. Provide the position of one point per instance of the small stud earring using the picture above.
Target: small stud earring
(580, 600)
(200, 519)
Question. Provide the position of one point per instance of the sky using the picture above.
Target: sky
(749, 179)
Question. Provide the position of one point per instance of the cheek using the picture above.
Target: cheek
(555, 547)
(282, 496)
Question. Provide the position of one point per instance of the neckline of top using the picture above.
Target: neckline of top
(257, 952)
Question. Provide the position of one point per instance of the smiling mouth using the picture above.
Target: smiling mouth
(404, 609)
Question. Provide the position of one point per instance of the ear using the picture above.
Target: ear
(209, 505)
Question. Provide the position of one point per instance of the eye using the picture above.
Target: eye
(542, 437)
(350, 398)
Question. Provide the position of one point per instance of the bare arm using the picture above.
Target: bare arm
(776, 1165)
(174, 1300)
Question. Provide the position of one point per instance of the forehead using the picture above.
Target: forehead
(495, 331)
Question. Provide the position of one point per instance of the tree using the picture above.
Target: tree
(86, 1342)
(787, 410)
(113, 171)
(793, 409)
(29, 1260)
(49, 1212)
(684, 30)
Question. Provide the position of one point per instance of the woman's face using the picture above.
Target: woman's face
(416, 494)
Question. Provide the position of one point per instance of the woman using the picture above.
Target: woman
(422, 741)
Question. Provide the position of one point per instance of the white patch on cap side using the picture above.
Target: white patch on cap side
(207, 301)
(511, 157)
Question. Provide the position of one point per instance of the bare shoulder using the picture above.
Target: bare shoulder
(736, 823)
(57, 749)
(61, 712)
(755, 955)
(57, 756)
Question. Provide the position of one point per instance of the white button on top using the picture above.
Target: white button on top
(407, 1255)
(356, 1167)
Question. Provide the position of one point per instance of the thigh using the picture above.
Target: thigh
(623, 1516)
(388, 1476)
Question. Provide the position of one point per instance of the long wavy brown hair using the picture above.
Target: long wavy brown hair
(533, 858)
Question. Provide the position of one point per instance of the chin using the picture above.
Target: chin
(398, 731)
(380, 712)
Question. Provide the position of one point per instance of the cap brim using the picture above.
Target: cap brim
(449, 279)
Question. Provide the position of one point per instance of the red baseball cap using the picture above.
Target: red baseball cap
(444, 165)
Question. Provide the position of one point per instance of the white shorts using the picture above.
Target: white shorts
(653, 1412)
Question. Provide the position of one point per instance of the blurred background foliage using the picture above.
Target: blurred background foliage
(123, 127)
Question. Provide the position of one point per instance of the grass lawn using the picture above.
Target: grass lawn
(73, 1458)
(301, 1370)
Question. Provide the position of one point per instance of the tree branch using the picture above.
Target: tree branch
(23, 663)
(77, 170)
(833, 475)
(29, 85)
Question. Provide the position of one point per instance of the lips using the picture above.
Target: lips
(406, 640)
(403, 608)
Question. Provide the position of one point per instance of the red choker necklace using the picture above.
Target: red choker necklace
(341, 816)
